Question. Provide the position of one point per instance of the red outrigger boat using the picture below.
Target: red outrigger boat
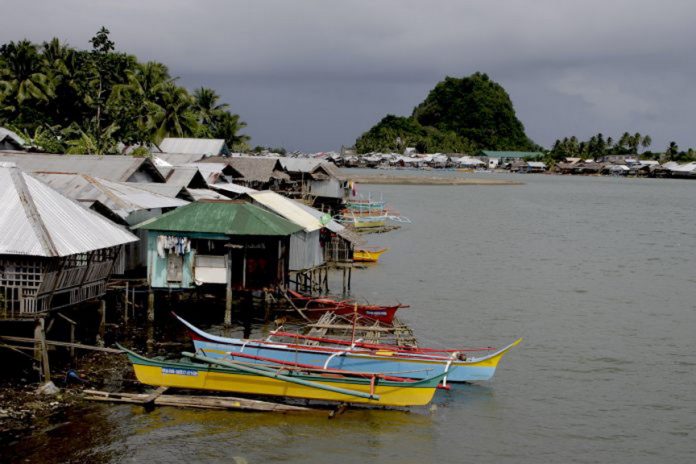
(315, 307)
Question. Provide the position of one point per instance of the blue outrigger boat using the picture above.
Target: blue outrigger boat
(413, 365)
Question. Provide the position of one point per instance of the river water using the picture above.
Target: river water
(598, 276)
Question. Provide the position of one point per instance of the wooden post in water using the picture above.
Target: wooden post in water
(41, 350)
(150, 305)
(102, 322)
(350, 276)
(125, 306)
(228, 290)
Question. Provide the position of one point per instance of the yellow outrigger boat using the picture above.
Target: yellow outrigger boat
(215, 374)
(367, 256)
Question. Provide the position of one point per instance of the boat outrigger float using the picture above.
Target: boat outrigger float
(204, 373)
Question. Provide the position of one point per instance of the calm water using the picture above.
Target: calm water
(597, 275)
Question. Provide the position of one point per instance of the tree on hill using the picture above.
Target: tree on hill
(459, 115)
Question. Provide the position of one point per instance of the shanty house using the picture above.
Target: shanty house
(317, 177)
(255, 172)
(127, 201)
(53, 252)
(216, 242)
(305, 246)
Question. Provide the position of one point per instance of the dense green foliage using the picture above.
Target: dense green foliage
(458, 116)
(597, 147)
(86, 101)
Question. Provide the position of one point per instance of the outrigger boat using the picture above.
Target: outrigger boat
(356, 356)
(205, 373)
(367, 256)
(315, 307)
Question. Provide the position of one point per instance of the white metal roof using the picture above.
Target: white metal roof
(287, 208)
(211, 147)
(234, 188)
(122, 198)
(38, 221)
(7, 133)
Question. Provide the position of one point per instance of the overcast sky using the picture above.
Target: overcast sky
(312, 75)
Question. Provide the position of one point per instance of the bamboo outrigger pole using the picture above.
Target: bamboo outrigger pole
(274, 375)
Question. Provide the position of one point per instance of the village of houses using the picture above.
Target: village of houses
(87, 238)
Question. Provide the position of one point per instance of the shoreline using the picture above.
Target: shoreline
(384, 179)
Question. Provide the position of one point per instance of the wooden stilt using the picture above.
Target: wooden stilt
(150, 305)
(102, 322)
(350, 277)
(41, 350)
(344, 280)
(125, 305)
(228, 291)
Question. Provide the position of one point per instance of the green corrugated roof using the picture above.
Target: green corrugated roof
(222, 217)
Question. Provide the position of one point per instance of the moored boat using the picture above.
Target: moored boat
(368, 256)
(205, 373)
(315, 307)
(418, 363)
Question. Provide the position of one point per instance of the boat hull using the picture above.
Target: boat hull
(367, 256)
(204, 377)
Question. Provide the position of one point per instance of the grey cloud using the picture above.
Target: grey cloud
(314, 74)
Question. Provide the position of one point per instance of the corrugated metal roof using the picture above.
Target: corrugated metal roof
(179, 159)
(511, 154)
(38, 221)
(211, 172)
(210, 147)
(222, 217)
(167, 190)
(234, 188)
(253, 168)
(121, 198)
(205, 194)
(113, 167)
(186, 176)
(8, 134)
(287, 208)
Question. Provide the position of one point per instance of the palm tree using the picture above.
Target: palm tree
(647, 141)
(21, 77)
(141, 94)
(672, 151)
(173, 114)
(227, 126)
(207, 107)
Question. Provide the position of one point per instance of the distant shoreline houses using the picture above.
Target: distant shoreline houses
(517, 162)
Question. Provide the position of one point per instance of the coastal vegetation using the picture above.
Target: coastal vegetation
(64, 100)
(459, 115)
(597, 147)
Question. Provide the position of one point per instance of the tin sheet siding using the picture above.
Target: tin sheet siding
(305, 251)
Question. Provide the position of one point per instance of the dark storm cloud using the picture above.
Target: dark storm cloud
(313, 75)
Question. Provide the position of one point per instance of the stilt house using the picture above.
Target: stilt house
(53, 252)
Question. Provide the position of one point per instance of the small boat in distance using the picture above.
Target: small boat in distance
(204, 373)
(366, 255)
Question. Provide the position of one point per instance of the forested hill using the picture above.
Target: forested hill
(460, 115)
(86, 101)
